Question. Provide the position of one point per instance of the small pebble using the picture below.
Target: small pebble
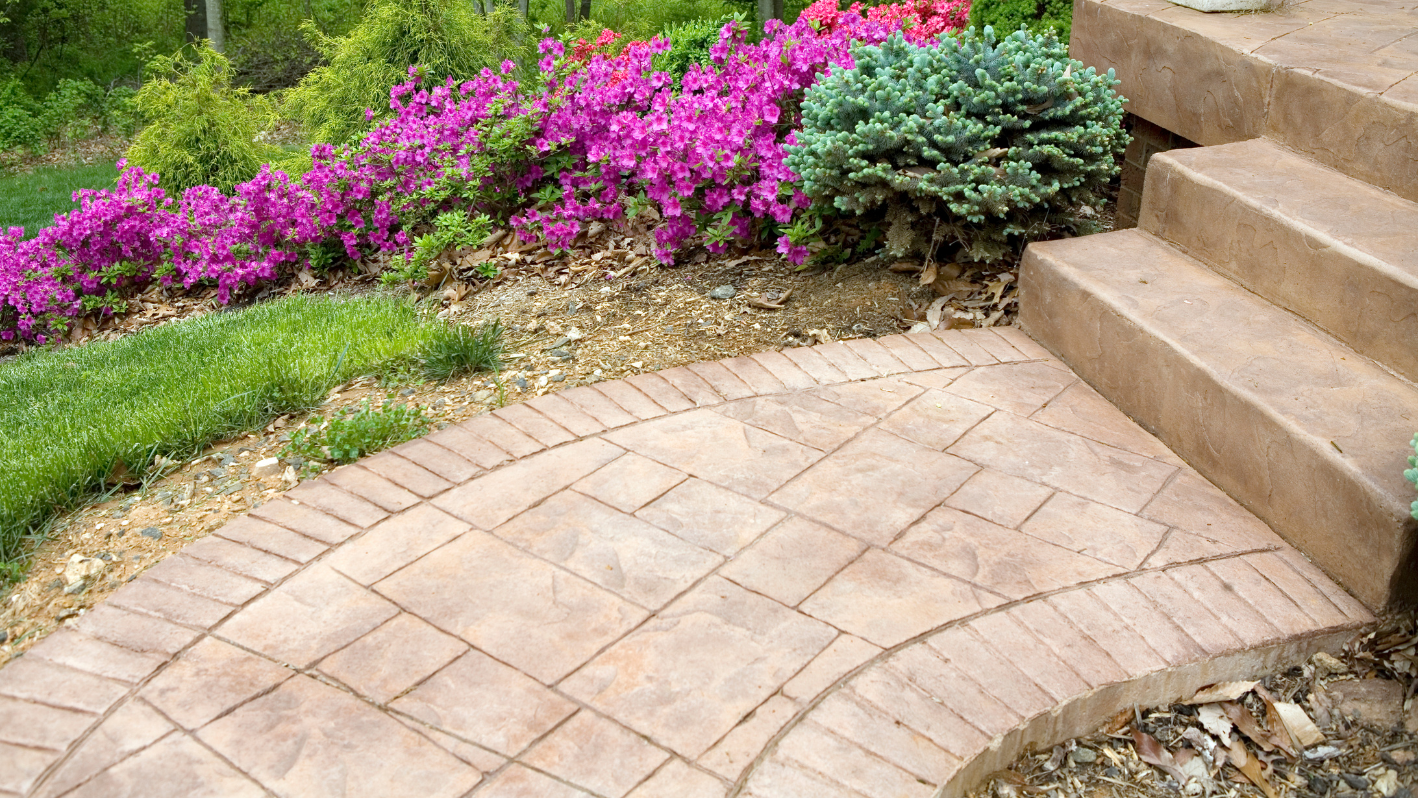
(558, 377)
(1083, 756)
(561, 354)
(152, 532)
(4, 636)
(117, 513)
(521, 383)
(723, 292)
(1357, 782)
(407, 392)
(596, 373)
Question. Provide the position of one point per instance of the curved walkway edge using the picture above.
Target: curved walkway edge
(866, 569)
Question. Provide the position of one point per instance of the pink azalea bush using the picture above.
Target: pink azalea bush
(599, 137)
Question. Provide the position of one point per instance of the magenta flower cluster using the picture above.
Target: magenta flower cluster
(707, 157)
(600, 140)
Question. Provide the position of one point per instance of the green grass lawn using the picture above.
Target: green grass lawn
(30, 200)
(71, 416)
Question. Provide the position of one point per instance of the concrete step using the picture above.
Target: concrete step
(1333, 249)
(1307, 434)
(1333, 79)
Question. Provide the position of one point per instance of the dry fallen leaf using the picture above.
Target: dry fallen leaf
(1301, 729)
(1213, 718)
(936, 312)
(1152, 752)
(1224, 691)
(1250, 768)
(928, 276)
(1247, 725)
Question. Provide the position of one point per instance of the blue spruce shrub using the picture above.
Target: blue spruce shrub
(981, 142)
(1412, 474)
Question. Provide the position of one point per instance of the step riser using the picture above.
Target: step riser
(1310, 498)
(1354, 296)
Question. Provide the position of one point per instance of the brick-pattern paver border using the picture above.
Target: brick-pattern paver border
(861, 567)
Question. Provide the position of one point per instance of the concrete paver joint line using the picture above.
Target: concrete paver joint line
(846, 562)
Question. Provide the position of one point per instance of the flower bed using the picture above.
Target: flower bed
(599, 137)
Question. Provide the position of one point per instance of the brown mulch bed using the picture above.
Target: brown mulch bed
(1337, 727)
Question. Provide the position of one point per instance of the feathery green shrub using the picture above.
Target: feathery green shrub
(1037, 15)
(982, 143)
(442, 37)
(202, 131)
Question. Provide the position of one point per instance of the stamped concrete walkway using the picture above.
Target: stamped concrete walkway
(872, 569)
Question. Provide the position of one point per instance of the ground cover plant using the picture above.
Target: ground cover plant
(353, 433)
(82, 418)
(32, 199)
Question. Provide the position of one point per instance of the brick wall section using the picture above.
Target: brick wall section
(1147, 140)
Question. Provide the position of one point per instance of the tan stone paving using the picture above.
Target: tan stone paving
(872, 568)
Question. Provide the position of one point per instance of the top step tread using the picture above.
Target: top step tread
(1328, 391)
(1286, 184)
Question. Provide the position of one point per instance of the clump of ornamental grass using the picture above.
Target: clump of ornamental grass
(974, 142)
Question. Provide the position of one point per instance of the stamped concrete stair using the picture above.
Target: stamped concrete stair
(1302, 430)
(1333, 249)
(1263, 319)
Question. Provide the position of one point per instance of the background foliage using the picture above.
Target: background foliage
(1039, 16)
(442, 37)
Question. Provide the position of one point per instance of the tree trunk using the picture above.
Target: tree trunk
(216, 25)
(769, 9)
(196, 19)
(570, 11)
(522, 8)
(585, 9)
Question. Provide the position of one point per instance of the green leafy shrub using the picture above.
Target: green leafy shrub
(18, 127)
(202, 131)
(1037, 15)
(979, 142)
(690, 43)
(451, 230)
(73, 111)
(441, 37)
(1412, 473)
(351, 434)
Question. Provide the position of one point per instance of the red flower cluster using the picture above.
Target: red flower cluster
(582, 51)
(921, 20)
